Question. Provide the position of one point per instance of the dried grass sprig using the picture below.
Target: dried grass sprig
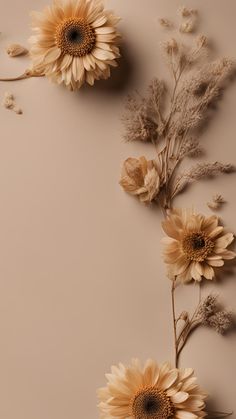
(198, 172)
(143, 118)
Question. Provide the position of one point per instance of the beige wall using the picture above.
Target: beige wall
(82, 282)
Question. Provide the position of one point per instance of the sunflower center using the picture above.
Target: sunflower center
(75, 37)
(150, 403)
(197, 246)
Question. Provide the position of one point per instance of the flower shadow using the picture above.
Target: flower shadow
(212, 412)
(121, 76)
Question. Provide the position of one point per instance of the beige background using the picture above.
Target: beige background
(82, 280)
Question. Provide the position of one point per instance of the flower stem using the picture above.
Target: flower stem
(26, 75)
(174, 320)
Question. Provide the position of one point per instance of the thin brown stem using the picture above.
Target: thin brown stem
(174, 320)
(26, 75)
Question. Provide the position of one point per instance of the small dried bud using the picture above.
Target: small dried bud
(187, 27)
(17, 110)
(185, 12)
(202, 41)
(9, 103)
(217, 201)
(9, 96)
(15, 50)
(171, 47)
(184, 316)
(165, 23)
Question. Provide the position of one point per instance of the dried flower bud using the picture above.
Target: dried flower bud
(14, 50)
(165, 23)
(184, 316)
(217, 201)
(9, 103)
(185, 12)
(140, 177)
(187, 27)
(17, 110)
(171, 46)
(9, 96)
(201, 41)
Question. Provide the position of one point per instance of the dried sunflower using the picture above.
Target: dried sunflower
(75, 41)
(195, 245)
(151, 392)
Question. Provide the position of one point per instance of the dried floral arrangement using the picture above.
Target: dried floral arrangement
(74, 42)
(195, 246)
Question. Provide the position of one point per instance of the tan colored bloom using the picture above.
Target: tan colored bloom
(14, 50)
(195, 245)
(75, 41)
(151, 392)
(140, 177)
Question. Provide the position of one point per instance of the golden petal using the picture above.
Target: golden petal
(104, 30)
(168, 379)
(66, 61)
(208, 271)
(170, 230)
(214, 233)
(179, 397)
(181, 265)
(216, 263)
(101, 54)
(183, 414)
(52, 55)
(194, 272)
(228, 254)
(151, 373)
(99, 21)
(225, 240)
(210, 224)
(106, 37)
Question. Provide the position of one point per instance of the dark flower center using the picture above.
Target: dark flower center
(197, 246)
(75, 37)
(150, 403)
(198, 242)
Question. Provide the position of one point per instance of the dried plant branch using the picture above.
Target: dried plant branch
(200, 171)
(171, 118)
